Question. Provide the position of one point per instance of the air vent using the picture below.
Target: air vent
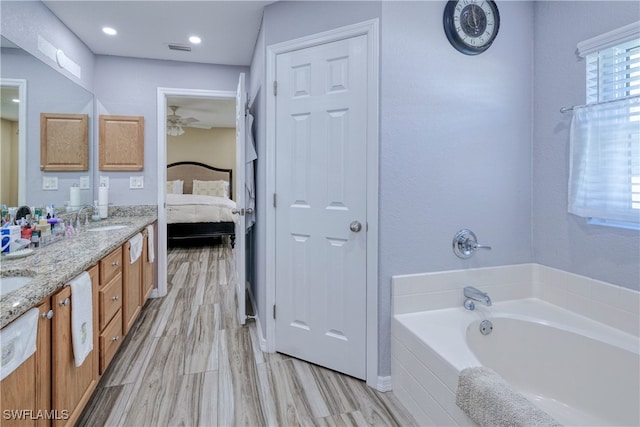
(180, 47)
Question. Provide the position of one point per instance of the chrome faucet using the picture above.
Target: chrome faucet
(472, 295)
(86, 216)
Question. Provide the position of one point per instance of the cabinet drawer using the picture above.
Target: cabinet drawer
(110, 340)
(110, 300)
(110, 266)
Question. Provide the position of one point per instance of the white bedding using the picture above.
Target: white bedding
(190, 208)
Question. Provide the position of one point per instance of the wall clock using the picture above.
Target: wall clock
(471, 25)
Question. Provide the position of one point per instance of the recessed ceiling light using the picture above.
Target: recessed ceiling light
(110, 31)
(195, 39)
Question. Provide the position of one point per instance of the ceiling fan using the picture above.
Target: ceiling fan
(176, 122)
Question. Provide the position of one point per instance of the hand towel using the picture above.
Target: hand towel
(18, 342)
(136, 247)
(490, 401)
(81, 317)
(151, 253)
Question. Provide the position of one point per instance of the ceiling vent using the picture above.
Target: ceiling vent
(180, 47)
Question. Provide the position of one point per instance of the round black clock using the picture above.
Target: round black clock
(471, 25)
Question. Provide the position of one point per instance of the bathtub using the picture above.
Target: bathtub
(580, 371)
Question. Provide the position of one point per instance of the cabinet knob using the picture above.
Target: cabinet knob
(116, 338)
(47, 315)
(115, 298)
(65, 303)
(115, 263)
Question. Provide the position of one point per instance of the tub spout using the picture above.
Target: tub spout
(473, 294)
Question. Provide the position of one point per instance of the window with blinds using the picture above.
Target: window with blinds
(604, 182)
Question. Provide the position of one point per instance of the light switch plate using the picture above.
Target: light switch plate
(49, 182)
(136, 182)
(104, 181)
(84, 182)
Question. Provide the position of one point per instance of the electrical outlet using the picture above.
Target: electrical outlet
(104, 181)
(136, 182)
(84, 182)
(49, 182)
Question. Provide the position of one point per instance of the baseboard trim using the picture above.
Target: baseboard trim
(384, 384)
(261, 339)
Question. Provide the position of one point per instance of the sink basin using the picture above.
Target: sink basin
(11, 283)
(108, 227)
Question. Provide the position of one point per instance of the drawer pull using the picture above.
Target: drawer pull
(115, 298)
(115, 263)
(116, 338)
(65, 303)
(47, 315)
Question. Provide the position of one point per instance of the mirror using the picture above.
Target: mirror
(41, 89)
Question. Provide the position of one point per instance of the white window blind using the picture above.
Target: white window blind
(604, 181)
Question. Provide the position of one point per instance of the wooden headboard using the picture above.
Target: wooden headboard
(188, 171)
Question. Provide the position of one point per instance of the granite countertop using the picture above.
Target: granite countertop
(53, 266)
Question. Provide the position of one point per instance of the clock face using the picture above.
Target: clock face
(471, 25)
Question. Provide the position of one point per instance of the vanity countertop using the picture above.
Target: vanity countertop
(53, 266)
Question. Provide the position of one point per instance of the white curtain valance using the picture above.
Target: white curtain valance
(605, 160)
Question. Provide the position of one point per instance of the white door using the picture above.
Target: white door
(239, 193)
(321, 186)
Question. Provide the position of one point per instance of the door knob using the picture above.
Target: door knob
(355, 226)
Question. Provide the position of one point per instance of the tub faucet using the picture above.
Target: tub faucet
(473, 294)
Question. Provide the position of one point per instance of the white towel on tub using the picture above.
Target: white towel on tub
(18, 342)
(81, 317)
(151, 253)
(136, 247)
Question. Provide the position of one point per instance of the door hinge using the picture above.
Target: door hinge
(275, 88)
(274, 200)
(274, 311)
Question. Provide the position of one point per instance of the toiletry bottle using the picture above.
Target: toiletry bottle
(35, 239)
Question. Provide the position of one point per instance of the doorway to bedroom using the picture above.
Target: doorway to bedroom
(201, 168)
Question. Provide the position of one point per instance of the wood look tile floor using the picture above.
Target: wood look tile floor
(186, 362)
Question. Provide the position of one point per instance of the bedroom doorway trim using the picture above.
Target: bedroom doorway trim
(162, 94)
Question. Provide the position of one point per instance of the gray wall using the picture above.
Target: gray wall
(22, 22)
(562, 240)
(455, 148)
(128, 86)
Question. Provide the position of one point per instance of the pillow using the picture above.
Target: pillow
(211, 188)
(175, 186)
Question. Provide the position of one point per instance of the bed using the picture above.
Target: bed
(206, 214)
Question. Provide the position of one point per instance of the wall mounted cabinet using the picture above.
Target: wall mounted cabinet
(121, 143)
(64, 142)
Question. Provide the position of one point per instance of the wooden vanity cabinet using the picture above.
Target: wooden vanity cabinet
(71, 386)
(131, 288)
(28, 387)
(110, 307)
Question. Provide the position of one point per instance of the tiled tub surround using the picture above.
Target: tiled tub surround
(53, 266)
(431, 345)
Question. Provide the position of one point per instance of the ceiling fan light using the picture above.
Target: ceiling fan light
(175, 130)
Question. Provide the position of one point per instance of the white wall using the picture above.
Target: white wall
(562, 240)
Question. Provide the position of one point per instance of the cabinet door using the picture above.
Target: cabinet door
(72, 386)
(26, 391)
(131, 277)
(64, 142)
(121, 143)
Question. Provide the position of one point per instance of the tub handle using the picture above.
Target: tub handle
(465, 243)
